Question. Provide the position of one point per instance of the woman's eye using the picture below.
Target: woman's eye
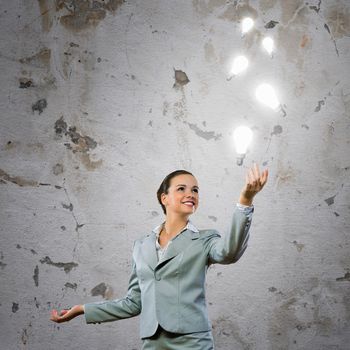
(180, 189)
(195, 190)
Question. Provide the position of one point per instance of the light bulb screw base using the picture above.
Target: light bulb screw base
(240, 158)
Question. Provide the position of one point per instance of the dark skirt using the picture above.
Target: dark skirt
(163, 340)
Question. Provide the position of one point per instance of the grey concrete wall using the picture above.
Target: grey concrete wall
(93, 118)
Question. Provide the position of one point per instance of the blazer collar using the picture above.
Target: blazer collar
(180, 243)
(189, 226)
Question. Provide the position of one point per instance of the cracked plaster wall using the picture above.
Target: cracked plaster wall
(101, 99)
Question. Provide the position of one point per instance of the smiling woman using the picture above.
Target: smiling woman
(167, 283)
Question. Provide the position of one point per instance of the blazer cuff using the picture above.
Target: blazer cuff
(247, 209)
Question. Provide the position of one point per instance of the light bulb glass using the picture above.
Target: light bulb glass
(247, 25)
(242, 137)
(266, 95)
(268, 45)
(240, 63)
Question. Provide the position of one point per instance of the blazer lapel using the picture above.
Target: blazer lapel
(149, 252)
(178, 245)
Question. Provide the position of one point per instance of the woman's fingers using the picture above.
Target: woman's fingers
(66, 314)
(59, 316)
(264, 177)
(256, 180)
(256, 171)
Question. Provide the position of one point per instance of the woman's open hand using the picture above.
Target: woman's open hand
(66, 315)
(255, 181)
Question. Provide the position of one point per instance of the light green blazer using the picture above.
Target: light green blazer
(171, 292)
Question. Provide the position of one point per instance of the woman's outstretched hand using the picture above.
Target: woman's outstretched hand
(66, 315)
(255, 181)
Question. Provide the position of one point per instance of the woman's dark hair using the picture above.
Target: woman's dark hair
(164, 186)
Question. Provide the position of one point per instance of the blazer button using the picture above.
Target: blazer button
(157, 276)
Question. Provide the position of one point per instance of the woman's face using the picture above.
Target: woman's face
(182, 197)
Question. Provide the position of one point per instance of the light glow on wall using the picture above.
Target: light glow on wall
(242, 137)
(266, 95)
(240, 64)
(247, 25)
(268, 45)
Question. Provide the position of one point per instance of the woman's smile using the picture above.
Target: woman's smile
(183, 195)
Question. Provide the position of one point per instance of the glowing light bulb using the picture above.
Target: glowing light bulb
(240, 63)
(266, 95)
(242, 137)
(268, 45)
(247, 25)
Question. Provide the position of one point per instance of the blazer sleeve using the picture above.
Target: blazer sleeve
(229, 249)
(113, 310)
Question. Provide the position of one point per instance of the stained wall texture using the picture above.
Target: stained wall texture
(100, 100)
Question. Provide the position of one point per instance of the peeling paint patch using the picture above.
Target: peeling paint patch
(10, 145)
(154, 213)
(319, 105)
(25, 335)
(39, 106)
(25, 83)
(345, 278)
(181, 79)
(316, 8)
(272, 289)
(224, 327)
(46, 21)
(338, 18)
(69, 207)
(207, 135)
(271, 24)
(85, 142)
(57, 169)
(85, 13)
(336, 214)
(305, 126)
(37, 304)
(17, 180)
(82, 145)
(102, 289)
(330, 200)
(36, 276)
(299, 246)
(71, 285)
(60, 127)
(39, 60)
(284, 174)
(2, 265)
(15, 307)
(67, 267)
(277, 129)
(212, 217)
